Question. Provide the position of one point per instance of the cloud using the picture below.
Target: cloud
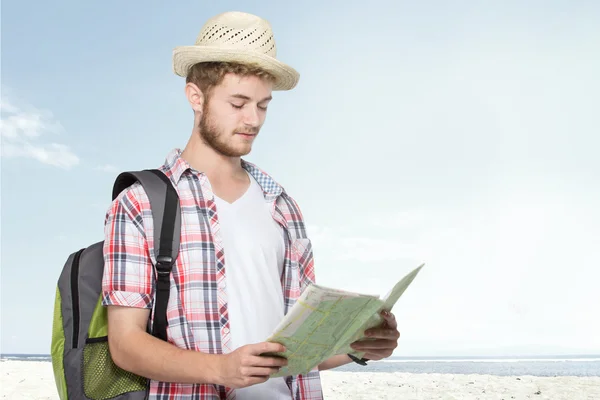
(22, 132)
(499, 271)
(413, 234)
(107, 168)
(342, 244)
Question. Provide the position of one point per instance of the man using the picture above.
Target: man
(239, 268)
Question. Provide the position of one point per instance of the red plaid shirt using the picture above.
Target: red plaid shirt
(197, 310)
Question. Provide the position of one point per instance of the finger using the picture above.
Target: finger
(377, 355)
(266, 347)
(379, 333)
(374, 345)
(390, 319)
(260, 371)
(264, 361)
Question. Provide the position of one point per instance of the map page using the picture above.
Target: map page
(324, 322)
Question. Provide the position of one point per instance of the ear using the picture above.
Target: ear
(194, 96)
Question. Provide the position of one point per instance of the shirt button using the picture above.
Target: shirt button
(225, 330)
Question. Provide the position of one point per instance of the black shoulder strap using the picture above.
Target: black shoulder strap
(166, 216)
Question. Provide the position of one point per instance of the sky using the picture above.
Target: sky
(464, 136)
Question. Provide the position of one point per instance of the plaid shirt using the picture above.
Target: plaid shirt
(197, 311)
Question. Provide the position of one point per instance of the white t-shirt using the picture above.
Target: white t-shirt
(254, 256)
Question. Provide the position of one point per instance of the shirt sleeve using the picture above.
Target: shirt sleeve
(304, 247)
(128, 271)
(307, 264)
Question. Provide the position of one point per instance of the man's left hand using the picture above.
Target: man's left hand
(382, 340)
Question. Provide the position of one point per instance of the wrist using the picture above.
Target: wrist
(215, 368)
(334, 362)
(209, 368)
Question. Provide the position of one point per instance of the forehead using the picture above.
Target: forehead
(250, 86)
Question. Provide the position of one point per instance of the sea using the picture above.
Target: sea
(548, 366)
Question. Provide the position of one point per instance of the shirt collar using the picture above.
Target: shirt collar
(175, 167)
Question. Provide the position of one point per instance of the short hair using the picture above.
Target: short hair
(207, 75)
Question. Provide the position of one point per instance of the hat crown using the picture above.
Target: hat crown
(238, 30)
(236, 37)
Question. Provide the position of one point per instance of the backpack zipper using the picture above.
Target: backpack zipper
(75, 296)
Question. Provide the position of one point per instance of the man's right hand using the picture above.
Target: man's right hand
(246, 367)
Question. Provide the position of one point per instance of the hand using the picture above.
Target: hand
(381, 341)
(246, 367)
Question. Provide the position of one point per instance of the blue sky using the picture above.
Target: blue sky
(464, 136)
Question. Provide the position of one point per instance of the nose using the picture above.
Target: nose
(251, 117)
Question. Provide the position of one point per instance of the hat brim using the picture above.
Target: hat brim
(184, 57)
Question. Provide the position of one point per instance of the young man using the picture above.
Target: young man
(244, 255)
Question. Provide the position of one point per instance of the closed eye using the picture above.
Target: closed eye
(264, 108)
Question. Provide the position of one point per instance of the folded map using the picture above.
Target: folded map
(324, 322)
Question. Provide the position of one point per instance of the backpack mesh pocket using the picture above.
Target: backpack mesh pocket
(102, 378)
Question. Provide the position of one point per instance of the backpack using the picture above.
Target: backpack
(83, 367)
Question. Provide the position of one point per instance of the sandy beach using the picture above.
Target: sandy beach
(31, 380)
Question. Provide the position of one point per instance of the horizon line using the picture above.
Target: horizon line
(465, 356)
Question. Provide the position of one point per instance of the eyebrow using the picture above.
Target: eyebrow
(244, 97)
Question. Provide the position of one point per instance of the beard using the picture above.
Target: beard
(216, 137)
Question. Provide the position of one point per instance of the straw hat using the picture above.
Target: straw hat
(236, 37)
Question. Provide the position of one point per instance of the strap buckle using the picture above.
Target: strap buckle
(163, 265)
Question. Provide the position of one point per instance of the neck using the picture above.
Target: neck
(216, 166)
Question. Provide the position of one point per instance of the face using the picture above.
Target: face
(234, 114)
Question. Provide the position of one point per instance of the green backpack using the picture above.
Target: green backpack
(83, 367)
